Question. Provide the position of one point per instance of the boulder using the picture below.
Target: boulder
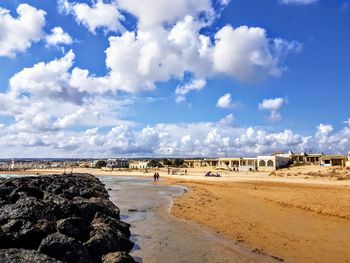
(14, 255)
(76, 227)
(103, 219)
(64, 248)
(118, 257)
(104, 240)
(60, 218)
(87, 208)
(31, 233)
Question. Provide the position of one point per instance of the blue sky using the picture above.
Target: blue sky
(177, 78)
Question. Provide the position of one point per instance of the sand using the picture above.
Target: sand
(300, 214)
(294, 222)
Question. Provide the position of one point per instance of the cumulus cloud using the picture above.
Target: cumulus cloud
(98, 15)
(273, 106)
(18, 33)
(46, 98)
(58, 37)
(169, 45)
(138, 61)
(247, 54)
(151, 13)
(225, 102)
(298, 2)
(181, 91)
(59, 108)
(199, 139)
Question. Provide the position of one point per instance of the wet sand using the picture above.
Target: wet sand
(294, 222)
(161, 237)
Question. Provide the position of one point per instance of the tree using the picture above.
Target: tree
(101, 163)
(154, 163)
(167, 162)
(178, 162)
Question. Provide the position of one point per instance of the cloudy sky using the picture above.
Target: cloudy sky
(133, 78)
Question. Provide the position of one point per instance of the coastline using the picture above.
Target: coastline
(293, 219)
(271, 219)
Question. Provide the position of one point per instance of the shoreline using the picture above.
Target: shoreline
(285, 218)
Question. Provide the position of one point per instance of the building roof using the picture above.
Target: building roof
(327, 157)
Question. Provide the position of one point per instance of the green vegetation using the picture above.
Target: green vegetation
(101, 163)
(154, 163)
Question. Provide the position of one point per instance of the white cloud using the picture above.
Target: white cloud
(181, 91)
(154, 13)
(225, 102)
(274, 116)
(138, 61)
(99, 15)
(272, 105)
(298, 2)
(45, 98)
(18, 33)
(247, 54)
(58, 37)
(66, 110)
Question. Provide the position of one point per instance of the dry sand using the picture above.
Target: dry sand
(300, 214)
(295, 222)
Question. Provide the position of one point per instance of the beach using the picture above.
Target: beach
(294, 215)
(161, 237)
(293, 222)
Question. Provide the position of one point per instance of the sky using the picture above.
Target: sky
(175, 78)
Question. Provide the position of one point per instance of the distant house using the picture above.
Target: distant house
(348, 160)
(229, 163)
(305, 158)
(117, 163)
(195, 163)
(271, 163)
(332, 160)
(138, 165)
(248, 164)
(237, 164)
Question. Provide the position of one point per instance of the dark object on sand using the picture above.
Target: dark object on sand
(210, 174)
(60, 218)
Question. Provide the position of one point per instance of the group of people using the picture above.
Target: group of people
(156, 176)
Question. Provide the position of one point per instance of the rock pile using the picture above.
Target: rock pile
(60, 218)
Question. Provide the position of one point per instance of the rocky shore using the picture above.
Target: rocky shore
(60, 218)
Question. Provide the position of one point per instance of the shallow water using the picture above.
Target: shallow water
(159, 236)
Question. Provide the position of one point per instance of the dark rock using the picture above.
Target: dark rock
(87, 208)
(64, 248)
(117, 257)
(112, 223)
(104, 240)
(14, 255)
(29, 208)
(62, 217)
(31, 234)
(75, 227)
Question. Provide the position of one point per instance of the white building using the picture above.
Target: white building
(271, 163)
(248, 164)
(237, 164)
(138, 164)
(117, 163)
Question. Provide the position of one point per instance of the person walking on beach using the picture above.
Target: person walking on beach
(155, 176)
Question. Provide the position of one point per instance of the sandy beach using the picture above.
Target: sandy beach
(296, 215)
